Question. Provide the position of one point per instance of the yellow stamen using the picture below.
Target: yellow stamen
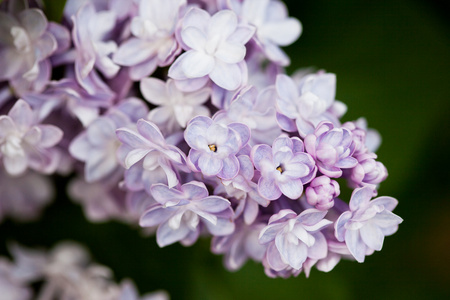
(280, 169)
(212, 147)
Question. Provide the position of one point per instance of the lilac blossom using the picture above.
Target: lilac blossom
(367, 171)
(176, 108)
(284, 168)
(149, 144)
(321, 192)
(181, 211)
(214, 146)
(291, 239)
(153, 43)
(98, 144)
(215, 47)
(24, 197)
(25, 42)
(257, 111)
(241, 245)
(244, 190)
(365, 225)
(94, 48)
(273, 26)
(24, 143)
(302, 107)
(332, 148)
(128, 291)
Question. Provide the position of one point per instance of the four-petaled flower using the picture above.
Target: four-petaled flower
(214, 146)
(284, 168)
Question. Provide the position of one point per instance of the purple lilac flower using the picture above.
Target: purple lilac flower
(153, 43)
(149, 144)
(23, 198)
(273, 26)
(367, 222)
(11, 287)
(321, 192)
(367, 171)
(176, 108)
(24, 143)
(244, 190)
(215, 47)
(291, 239)
(241, 245)
(332, 148)
(257, 111)
(214, 146)
(304, 106)
(284, 168)
(25, 42)
(181, 211)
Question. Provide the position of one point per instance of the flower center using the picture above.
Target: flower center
(212, 147)
(280, 169)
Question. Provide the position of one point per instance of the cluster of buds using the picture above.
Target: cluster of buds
(177, 115)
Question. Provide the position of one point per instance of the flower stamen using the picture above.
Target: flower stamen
(212, 147)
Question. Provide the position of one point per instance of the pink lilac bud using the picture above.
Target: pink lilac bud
(321, 192)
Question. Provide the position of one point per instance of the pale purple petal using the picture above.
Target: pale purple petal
(230, 168)
(268, 188)
(355, 244)
(227, 76)
(196, 64)
(291, 188)
(209, 164)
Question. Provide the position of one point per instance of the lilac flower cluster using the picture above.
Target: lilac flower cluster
(177, 115)
(66, 272)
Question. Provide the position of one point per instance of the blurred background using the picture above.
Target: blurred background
(392, 60)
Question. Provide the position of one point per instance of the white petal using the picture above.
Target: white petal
(197, 64)
(227, 76)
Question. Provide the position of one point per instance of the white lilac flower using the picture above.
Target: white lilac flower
(273, 26)
(181, 211)
(11, 288)
(215, 48)
(149, 144)
(365, 225)
(24, 143)
(214, 146)
(291, 239)
(302, 107)
(153, 43)
(284, 168)
(175, 108)
(24, 43)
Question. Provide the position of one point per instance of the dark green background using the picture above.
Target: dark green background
(392, 63)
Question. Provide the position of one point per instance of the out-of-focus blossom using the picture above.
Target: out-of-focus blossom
(128, 291)
(367, 222)
(176, 108)
(23, 197)
(98, 144)
(24, 143)
(332, 148)
(215, 47)
(153, 43)
(273, 26)
(284, 168)
(181, 211)
(241, 245)
(214, 146)
(24, 43)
